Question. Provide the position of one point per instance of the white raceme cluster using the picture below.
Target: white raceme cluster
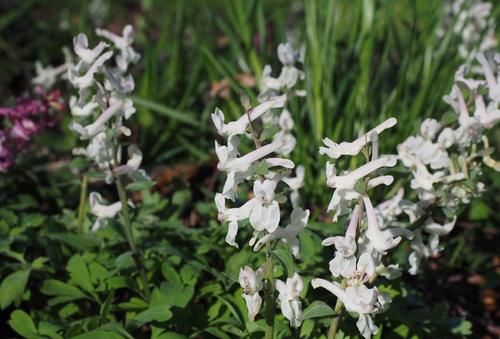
(267, 175)
(283, 86)
(445, 159)
(101, 108)
(472, 20)
(358, 255)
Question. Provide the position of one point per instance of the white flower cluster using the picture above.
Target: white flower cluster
(444, 159)
(284, 87)
(265, 174)
(102, 106)
(358, 255)
(472, 20)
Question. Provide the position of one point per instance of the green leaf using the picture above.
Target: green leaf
(39, 262)
(269, 132)
(181, 198)
(479, 210)
(448, 118)
(116, 328)
(33, 220)
(80, 242)
(171, 335)
(98, 334)
(61, 289)
(285, 257)
(176, 294)
(22, 323)
(464, 328)
(125, 261)
(216, 332)
(143, 185)
(12, 287)
(170, 273)
(79, 272)
(361, 186)
(49, 330)
(260, 168)
(317, 309)
(155, 313)
(8, 216)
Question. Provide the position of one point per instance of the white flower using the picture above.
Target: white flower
(390, 272)
(429, 128)
(233, 215)
(365, 269)
(47, 76)
(290, 304)
(253, 302)
(288, 78)
(358, 299)
(423, 179)
(82, 110)
(133, 163)
(287, 55)
(335, 151)
(81, 44)
(488, 116)
(124, 43)
(229, 162)
(295, 183)
(346, 245)
(286, 121)
(349, 180)
(87, 79)
(341, 198)
(366, 326)
(391, 208)
(251, 282)
(446, 138)
(288, 234)
(382, 240)
(239, 126)
(408, 149)
(421, 251)
(87, 132)
(101, 211)
(437, 229)
(493, 84)
(266, 213)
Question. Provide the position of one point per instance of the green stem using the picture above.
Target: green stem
(83, 200)
(130, 238)
(270, 311)
(334, 325)
(127, 227)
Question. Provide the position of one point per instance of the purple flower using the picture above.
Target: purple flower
(21, 123)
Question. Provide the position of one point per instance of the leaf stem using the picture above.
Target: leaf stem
(270, 311)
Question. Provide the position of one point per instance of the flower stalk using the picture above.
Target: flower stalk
(129, 235)
(83, 200)
(263, 172)
(334, 324)
(270, 311)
